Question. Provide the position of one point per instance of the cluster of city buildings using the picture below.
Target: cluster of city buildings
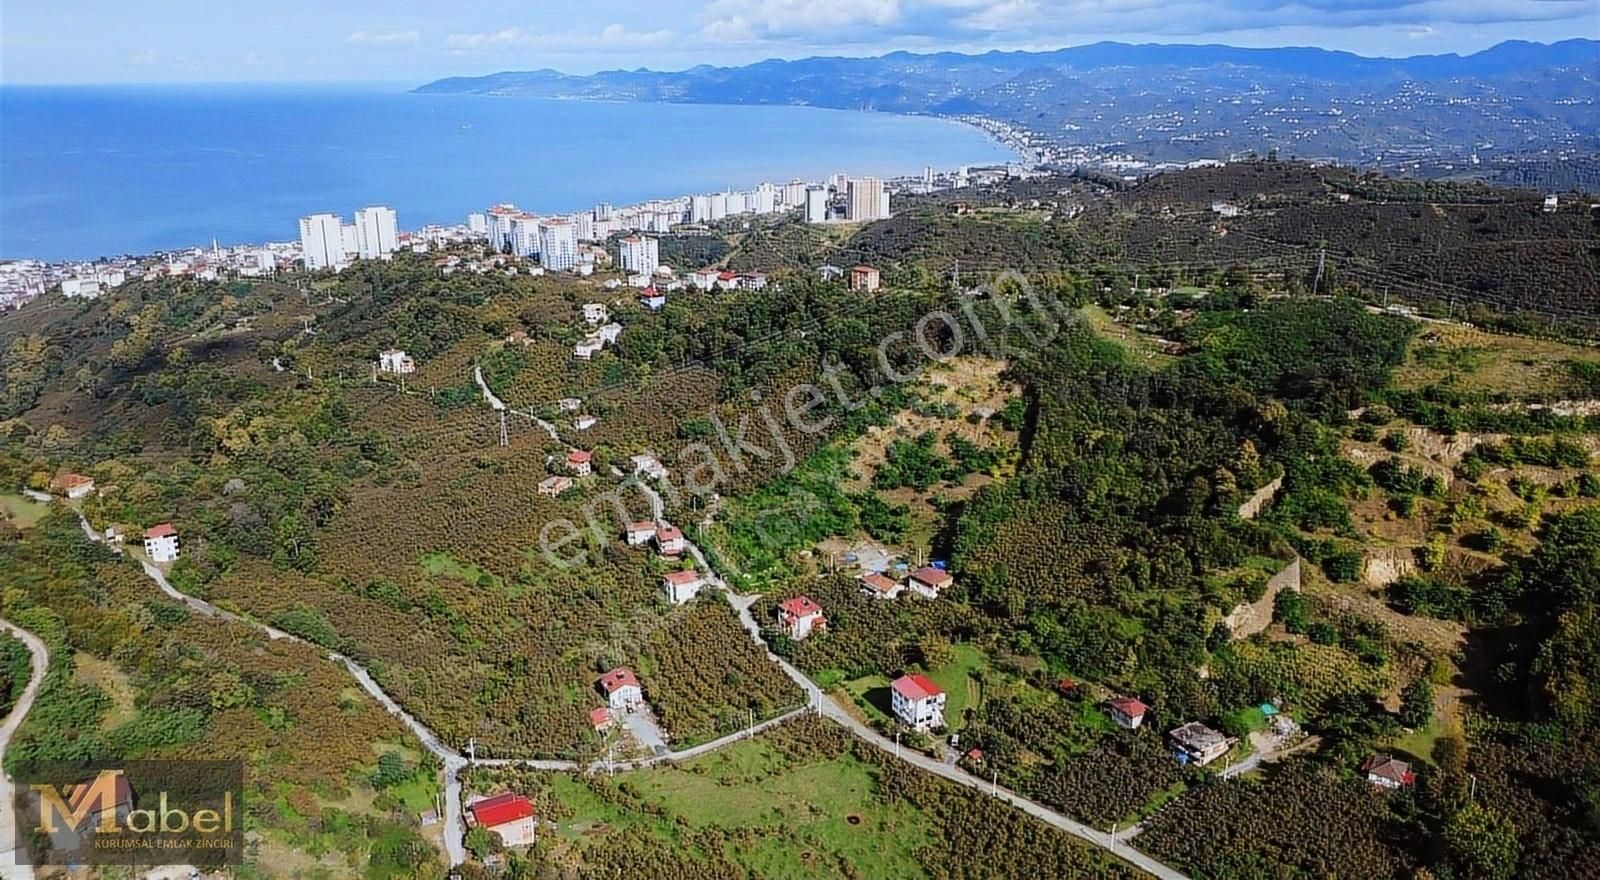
(327, 242)
(568, 242)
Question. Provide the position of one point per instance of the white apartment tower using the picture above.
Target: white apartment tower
(322, 242)
(558, 244)
(640, 254)
(867, 200)
(523, 239)
(817, 204)
(376, 233)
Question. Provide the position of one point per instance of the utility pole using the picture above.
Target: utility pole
(472, 750)
(1316, 284)
(505, 440)
(897, 745)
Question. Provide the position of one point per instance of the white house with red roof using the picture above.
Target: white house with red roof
(928, 581)
(917, 701)
(509, 815)
(1127, 712)
(865, 279)
(580, 462)
(600, 719)
(639, 533)
(704, 279)
(1384, 771)
(652, 299)
(727, 280)
(161, 543)
(74, 486)
(800, 617)
(880, 586)
(669, 540)
(554, 486)
(622, 689)
(681, 586)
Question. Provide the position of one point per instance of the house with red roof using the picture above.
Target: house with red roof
(669, 540)
(74, 486)
(1384, 771)
(800, 616)
(917, 701)
(878, 586)
(704, 279)
(600, 719)
(1127, 712)
(639, 533)
(161, 543)
(580, 462)
(622, 689)
(681, 586)
(509, 815)
(864, 279)
(928, 581)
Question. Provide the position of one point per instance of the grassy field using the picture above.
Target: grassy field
(24, 514)
(959, 678)
(1141, 346)
(1472, 360)
(809, 817)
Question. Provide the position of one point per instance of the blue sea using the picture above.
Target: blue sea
(99, 171)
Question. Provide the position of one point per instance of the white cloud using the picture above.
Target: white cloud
(612, 36)
(384, 38)
(143, 57)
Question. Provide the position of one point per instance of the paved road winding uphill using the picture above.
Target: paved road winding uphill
(13, 862)
(836, 713)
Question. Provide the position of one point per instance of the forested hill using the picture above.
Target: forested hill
(1214, 99)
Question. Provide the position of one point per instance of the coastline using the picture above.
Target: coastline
(433, 162)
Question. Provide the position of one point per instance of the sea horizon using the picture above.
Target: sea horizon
(93, 171)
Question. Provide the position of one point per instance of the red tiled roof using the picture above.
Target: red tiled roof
(618, 678)
(160, 531)
(862, 269)
(501, 809)
(1387, 767)
(1129, 706)
(931, 576)
(69, 481)
(645, 526)
(916, 686)
(878, 582)
(800, 606)
(668, 533)
(599, 717)
(578, 456)
(679, 578)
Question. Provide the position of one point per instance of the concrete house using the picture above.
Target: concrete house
(396, 361)
(580, 462)
(621, 689)
(508, 815)
(800, 617)
(669, 540)
(639, 533)
(865, 279)
(1127, 712)
(1198, 744)
(74, 486)
(554, 486)
(928, 581)
(1386, 772)
(917, 701)
(161, 543)
(879, 586)
(681, 586)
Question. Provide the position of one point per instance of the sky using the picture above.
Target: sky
(415, 41)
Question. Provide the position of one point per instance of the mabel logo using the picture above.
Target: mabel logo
(134, 813)
(105, 804)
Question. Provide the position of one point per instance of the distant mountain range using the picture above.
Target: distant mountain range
(1165, 101)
